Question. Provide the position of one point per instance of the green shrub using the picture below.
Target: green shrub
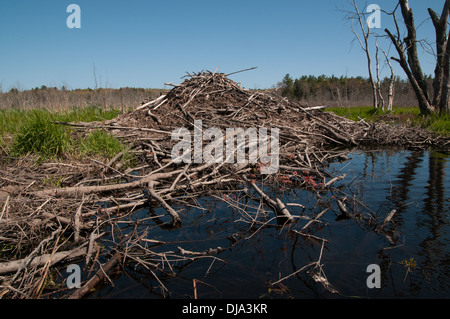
(101, 143)
(38, 135)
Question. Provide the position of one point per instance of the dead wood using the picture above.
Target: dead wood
(277, 205)
(79, 190)
(100, 275)
(176, 219)
(386, 220)
(97, 195)
(343, 209)
(16, 265)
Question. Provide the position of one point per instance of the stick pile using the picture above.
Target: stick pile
(219, 101)
(41, 225)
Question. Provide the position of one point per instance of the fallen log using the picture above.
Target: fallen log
(112, 127)
(79, 190)
(97, 278)
(148, 104)
(13, 266)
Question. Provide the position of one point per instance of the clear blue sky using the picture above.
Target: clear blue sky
(140, 43)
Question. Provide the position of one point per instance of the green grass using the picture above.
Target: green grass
(101, 143)
(33, 132)
(12, 119)
(410, 115)
(88, 114)
(38, 135)
(439, 124)
(354, 113)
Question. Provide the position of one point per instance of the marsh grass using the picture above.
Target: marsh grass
(37, 134)
(103, 145)
(354, 113)
(88, 114)
(34, 132)
(439, 124)
(100, 143)
(409, 115)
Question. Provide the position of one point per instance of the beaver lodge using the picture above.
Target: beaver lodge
(90, 218)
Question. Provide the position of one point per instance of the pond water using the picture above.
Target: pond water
(377, 182)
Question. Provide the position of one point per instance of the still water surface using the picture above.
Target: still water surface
(414, 183)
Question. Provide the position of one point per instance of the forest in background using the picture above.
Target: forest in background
(332, 91)
(344, 91)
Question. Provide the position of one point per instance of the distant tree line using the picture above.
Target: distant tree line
(61, 98)
(343, 90)
(317, 90)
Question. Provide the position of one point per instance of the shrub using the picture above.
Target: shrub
(40, 136)
(101, 143)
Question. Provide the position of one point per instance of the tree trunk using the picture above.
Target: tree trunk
(409, 61)
(440, 83)
(380, 94)
(365, 47)
(374, 86)
(411, 47)
(422, 98)
(391, 84)
(444, 106)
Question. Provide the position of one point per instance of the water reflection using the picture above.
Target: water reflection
(436, 209)
(411, 182)
(416, 181)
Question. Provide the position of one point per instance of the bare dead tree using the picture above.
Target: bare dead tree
(364, 43)
(409, 61)
(391, 83)
(379, 92)
(95, 76)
